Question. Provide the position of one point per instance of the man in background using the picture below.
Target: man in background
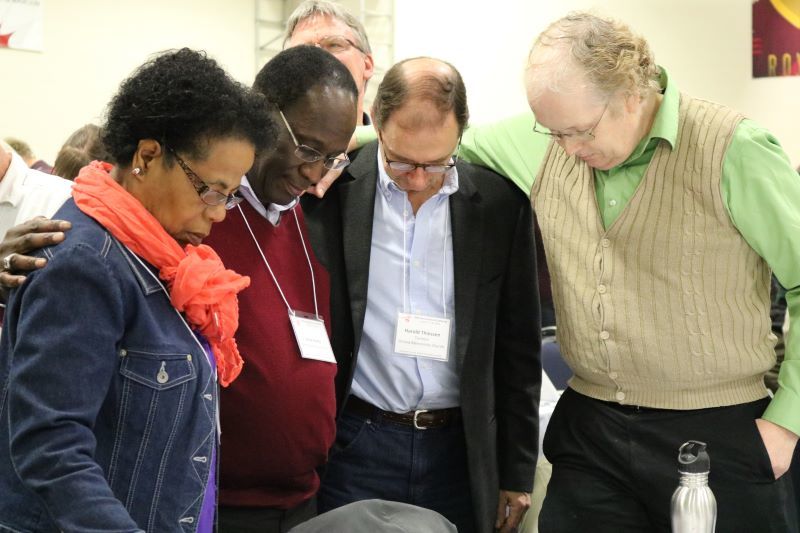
(25, 192)
(329, 26)
(25, 152)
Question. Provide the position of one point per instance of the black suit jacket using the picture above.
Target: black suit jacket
(497, 331)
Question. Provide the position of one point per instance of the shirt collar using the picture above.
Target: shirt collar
(387, 186)
(665, 124)
(272, 212)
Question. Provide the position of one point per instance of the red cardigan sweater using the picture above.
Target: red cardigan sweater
(277, 418)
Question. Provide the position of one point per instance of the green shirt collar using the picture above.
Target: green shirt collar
(665, 125)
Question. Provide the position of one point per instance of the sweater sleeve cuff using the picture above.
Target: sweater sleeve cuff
(784, 410)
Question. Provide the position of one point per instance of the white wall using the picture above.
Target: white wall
(704, 44)
(92, 45)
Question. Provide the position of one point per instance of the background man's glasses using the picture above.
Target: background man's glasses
(337, 44)
(310, 155)
(208, 195)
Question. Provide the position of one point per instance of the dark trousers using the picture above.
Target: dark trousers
(264, 520)
(615, 468)
(377, 458)
(795, 472)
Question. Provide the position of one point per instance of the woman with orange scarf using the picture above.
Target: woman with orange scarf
(110, 358)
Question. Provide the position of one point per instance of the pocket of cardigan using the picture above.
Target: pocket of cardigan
(157, 370)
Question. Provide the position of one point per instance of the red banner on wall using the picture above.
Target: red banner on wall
(776, 38)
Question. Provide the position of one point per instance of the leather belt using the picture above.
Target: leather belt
(419, 419)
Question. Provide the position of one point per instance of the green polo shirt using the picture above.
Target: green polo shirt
(760, 190)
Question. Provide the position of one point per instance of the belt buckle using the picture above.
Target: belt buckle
(416, 414)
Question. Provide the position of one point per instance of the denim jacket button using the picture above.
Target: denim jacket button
(123, 352)
(162, 376)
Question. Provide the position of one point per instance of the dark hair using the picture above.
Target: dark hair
(183, 99)
(288, 76)
(445, 90)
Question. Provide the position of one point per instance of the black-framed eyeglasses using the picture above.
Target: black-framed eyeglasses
(311, 155)
(581, 136)
(404, 167)
(337, 44)
(208, 195)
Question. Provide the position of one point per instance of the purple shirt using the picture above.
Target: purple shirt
(205, 523)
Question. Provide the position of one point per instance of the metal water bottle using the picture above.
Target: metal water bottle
(693, 508)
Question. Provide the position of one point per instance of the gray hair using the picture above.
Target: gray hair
(322, 8)
(605, 51)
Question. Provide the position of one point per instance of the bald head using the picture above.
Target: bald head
(430, 88)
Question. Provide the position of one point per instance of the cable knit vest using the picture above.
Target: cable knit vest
(669, 306)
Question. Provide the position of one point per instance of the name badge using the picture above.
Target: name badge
(312, 338)
(422, 336)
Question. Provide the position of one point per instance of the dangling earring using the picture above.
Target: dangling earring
(136, 171)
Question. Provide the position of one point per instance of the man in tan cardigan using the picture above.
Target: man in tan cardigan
(662, 216)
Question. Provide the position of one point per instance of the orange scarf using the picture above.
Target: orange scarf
(199, 285)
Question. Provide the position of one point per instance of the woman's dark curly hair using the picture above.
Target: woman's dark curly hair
(183, 99)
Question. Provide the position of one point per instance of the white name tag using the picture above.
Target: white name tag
(312, 338)
(422, 336)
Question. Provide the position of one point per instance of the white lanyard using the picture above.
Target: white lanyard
(271, 273)
(444, 255)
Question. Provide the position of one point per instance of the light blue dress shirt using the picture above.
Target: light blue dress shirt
(389, 380)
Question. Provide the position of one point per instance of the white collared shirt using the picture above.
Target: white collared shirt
(26, 193)
(424, 258)
(272, 212)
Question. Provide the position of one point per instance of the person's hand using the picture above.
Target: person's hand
(23, 239)
(511, 507)
(780, 443)
(325, 183)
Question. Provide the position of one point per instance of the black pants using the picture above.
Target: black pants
(264, 520)
(615, 468)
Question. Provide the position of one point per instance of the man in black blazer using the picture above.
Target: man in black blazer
(435, 315)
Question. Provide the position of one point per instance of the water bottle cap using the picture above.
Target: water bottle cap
(693, 458)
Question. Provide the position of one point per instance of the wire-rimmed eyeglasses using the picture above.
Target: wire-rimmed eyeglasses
(337, 44)
(581, 136)
(311, 155)
(405, 167)
(208, 195)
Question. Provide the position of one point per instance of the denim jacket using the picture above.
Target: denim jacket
(108, 404)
